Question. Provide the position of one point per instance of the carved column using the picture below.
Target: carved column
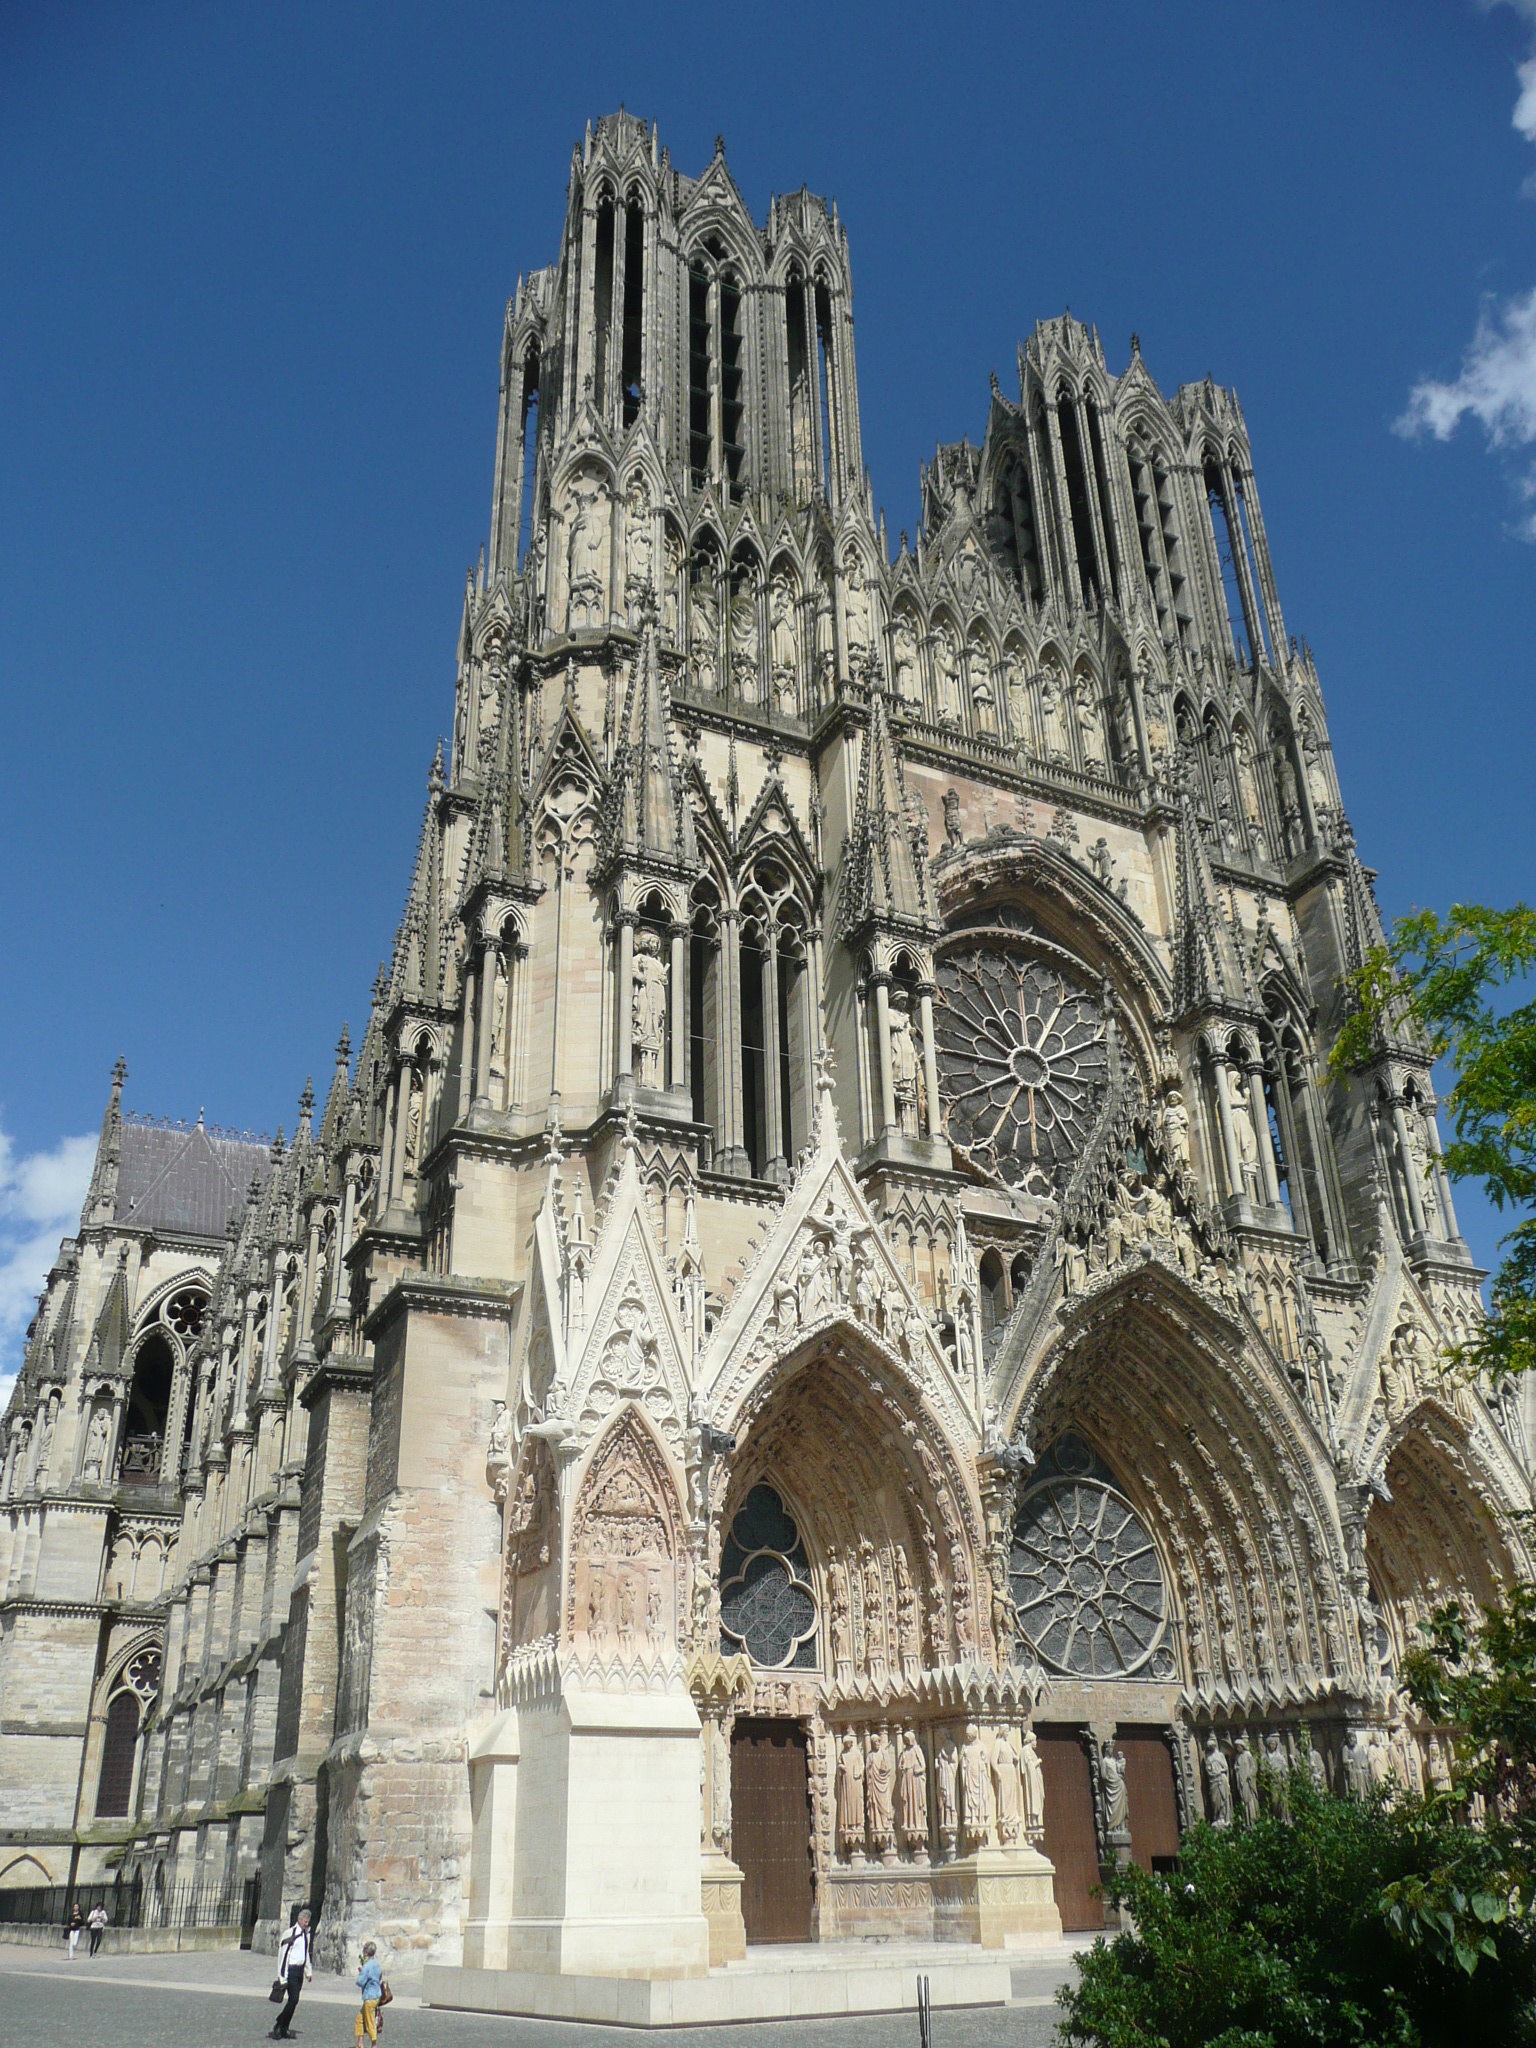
(1224, 1118)
(624, 994)
(466, 1088)
(730, 1156)
(1409, 1170)
(721, 1687)
(883, 1051)
(489, 958)
(404, 1075)
(930, 1061)
(1064, 506)
(1269, 1178)
(773, 1108)
(677, 1007)
(1442, 1178)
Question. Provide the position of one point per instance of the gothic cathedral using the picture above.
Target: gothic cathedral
(828, 1365)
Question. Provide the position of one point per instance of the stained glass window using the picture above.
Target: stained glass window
(1085, 1574)
(767, 1607)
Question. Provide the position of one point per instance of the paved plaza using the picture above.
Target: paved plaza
(218, 2001)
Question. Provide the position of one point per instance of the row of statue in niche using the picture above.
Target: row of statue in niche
(988, 1791)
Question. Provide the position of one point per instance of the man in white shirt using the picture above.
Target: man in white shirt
(293, 1966)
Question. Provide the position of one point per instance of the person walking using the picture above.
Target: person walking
(96, 1920)
(75, 1925)
(293, 1967)
(370, 1984)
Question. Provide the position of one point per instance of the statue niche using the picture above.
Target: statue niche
(528, 1599)
(627, 1550)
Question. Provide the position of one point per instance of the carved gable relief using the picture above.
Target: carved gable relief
(630, 1352)
(531, 1573)
(628, 1560)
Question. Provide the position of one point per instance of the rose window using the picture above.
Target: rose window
(184, 1312)
(143, 1673)
(767, 1607)
(1022, 1065)
(1086, 1580)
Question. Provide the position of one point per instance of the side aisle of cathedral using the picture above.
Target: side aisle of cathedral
(830, 1304)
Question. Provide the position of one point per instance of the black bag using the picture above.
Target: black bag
(279, 1989)
(278, 1992)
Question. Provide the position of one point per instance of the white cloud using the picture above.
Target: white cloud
(40, 1199)
(1497, 382)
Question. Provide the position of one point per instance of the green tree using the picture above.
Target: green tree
(1444, 978)
(1282, 1934)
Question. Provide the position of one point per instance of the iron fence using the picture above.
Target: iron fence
(136, 1905)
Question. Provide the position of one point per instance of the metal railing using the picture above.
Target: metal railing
(135, 1905)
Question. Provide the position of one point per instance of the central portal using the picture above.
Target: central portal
(771, 1828)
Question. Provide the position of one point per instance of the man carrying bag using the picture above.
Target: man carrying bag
(293, 1967)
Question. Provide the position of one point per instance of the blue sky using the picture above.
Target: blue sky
(251, 290)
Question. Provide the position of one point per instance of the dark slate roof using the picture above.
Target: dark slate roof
(186, 1179)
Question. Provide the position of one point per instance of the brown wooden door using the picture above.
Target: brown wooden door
(771, 1828)
(1071, 1835)
(1149, 1791)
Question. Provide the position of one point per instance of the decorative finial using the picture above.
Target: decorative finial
(119, 1073)
(720, 145)
(344, 1047)
(307, 1099)
(1135, 344)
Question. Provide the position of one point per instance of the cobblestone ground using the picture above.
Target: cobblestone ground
(217, 2001)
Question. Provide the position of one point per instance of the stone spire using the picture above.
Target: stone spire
(886, 875)
(101, 1198)
(1208, 970)
(650, 817)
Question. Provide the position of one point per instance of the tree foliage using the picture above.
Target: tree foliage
(1303, 1933)
(1443, 977)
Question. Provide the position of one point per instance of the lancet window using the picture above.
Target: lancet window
(716, 373)
(1299, 1135)
(1090, 579)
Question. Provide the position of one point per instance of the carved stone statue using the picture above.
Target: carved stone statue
(879, 1796)
(639, 550)
(1006, 1790)
(1245, 1774)
(784, 645)
(1034, 1785)
(97, 1438)
(1247, 1137)
(856, 615)
(912, 1796)
(1051, 715)
(946, 676)
(1176, 1126)
(905, 1073)
(1357, 1764)
(649, 1007)
(496, 1063)
(1277, 1765)
(953, 834)
(588, 557)
(975, 1789)
(850, 1797)
(703, 634)
(946, 1786)
(1117, 1807)
(904, 654)
(1218, 1784)
(1090, 723)
(744, 642)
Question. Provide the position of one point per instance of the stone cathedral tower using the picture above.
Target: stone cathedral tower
(830, 1304)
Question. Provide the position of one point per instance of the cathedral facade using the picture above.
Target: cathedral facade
(828, 1365)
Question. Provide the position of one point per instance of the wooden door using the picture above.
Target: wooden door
(1149, 1790)
(1071, 1833)
(771, 1828)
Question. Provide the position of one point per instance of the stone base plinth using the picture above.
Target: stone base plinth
(888, 1900)
(721, 1885)
(771, 1984)
(1000, 1898)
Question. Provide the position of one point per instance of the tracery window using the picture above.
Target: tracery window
(1023, 1064)
(767, 1606)
(1085, 1573)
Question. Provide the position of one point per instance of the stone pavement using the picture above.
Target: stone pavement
(219, 2001)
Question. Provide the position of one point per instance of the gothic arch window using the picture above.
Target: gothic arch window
(1085, 1574)
(115, 1786)
(149, 1404)
(716, 372)
(767, 1604)
(1101, 460)
(1072, 455)
(1227, 541)
(528, 427)
(632, 330)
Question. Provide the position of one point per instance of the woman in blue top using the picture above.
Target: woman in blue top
(370, 1983)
